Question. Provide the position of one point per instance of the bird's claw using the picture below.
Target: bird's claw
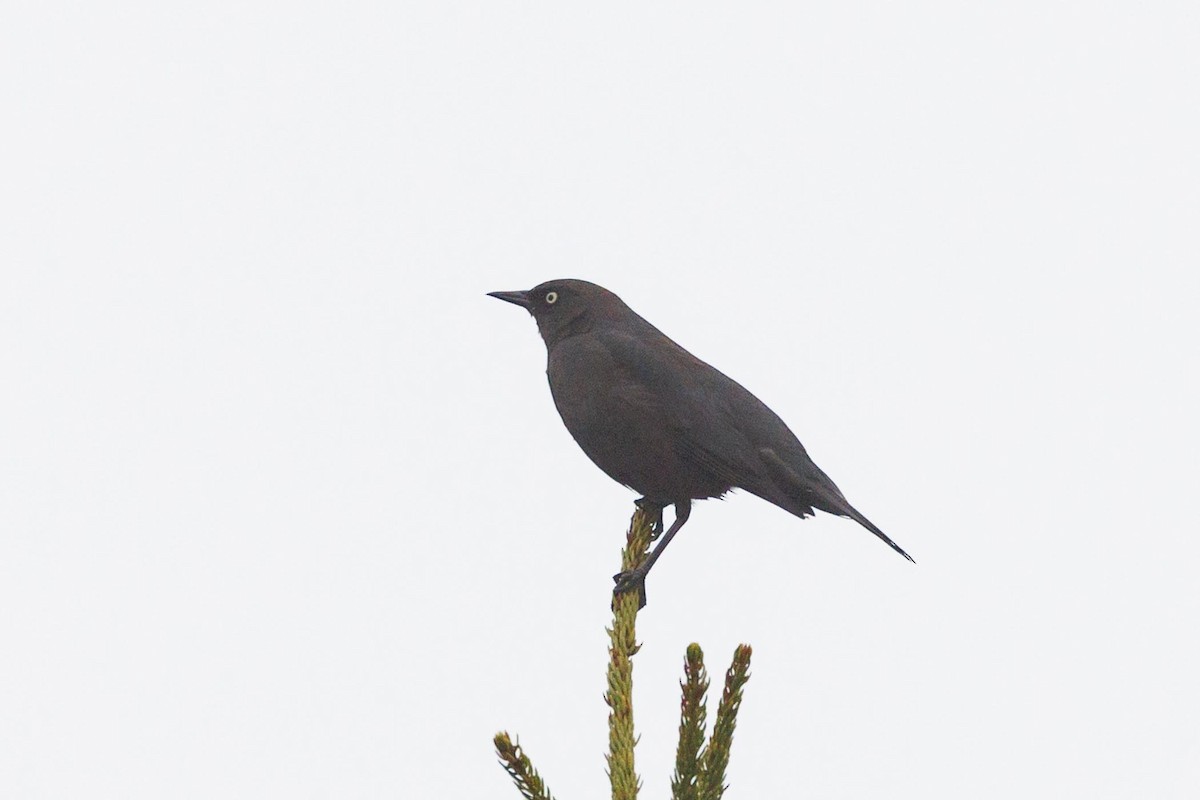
(627, 581)
(655, 512)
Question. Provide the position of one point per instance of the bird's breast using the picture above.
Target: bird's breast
(622, 424)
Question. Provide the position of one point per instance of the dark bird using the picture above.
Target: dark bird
(661, 421)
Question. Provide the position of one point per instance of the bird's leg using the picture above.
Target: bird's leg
(655, 511)
(637, 577)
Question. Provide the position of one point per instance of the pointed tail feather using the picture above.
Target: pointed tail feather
(820, 493)
(866, 523)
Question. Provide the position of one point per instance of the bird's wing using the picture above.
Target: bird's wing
(717, 423)
(698, 404)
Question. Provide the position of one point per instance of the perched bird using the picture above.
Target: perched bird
(661, 421)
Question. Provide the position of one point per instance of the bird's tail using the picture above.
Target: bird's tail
(853, 514)
(820, 493)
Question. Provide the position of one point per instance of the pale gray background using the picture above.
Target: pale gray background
(286, 509)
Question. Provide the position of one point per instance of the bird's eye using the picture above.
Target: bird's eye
(551, 298)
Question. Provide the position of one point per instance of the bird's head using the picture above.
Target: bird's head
(567, 307)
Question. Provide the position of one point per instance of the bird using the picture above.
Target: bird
(660, 421)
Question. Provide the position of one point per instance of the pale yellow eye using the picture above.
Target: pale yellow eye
(551, 298)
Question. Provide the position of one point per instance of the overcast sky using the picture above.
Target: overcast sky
(285, 506)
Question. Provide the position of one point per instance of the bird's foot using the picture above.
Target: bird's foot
(655, 512)
(629, 580)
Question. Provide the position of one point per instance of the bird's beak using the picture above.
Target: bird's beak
(516, 298)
